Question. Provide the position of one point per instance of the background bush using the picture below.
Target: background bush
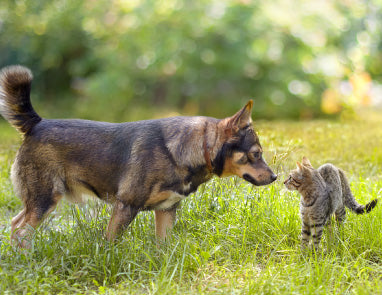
(123, 60)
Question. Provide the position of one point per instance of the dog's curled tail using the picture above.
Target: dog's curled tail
(15, 104)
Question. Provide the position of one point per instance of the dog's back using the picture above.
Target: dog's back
(89, 154)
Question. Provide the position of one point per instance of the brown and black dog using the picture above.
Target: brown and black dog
(144, 165)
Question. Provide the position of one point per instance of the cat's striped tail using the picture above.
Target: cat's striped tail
(349, 199)
(15, 104)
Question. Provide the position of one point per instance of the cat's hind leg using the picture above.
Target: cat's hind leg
(340, 214)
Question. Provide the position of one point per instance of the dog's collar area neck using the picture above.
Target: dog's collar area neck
(207, 155)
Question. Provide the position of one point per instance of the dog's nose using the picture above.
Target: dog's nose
(274, 177)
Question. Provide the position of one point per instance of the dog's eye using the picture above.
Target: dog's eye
(243, 160)
(256, 155)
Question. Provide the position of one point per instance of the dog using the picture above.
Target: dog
(142, 165)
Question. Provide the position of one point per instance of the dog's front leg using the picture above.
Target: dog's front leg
(164, 221)
(121, 217)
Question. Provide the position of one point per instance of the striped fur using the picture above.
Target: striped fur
(324, 192)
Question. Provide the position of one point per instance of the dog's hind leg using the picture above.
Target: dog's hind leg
(121, 217)
(164, 222)
(17, 220)
(30, 217)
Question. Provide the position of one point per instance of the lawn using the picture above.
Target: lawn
(230, 237)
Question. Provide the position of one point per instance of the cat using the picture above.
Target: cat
(324, 192)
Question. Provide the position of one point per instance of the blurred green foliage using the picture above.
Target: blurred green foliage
(123, 60)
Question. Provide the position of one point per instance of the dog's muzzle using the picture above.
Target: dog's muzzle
(250, 179)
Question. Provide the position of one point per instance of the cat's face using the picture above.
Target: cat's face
(294, 180)
(299, 176)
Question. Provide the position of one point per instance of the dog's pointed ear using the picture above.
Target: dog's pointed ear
(306, 162)
(242, 118)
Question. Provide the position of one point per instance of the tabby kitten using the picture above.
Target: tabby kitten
(324, 191)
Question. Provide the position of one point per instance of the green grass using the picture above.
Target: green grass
(230, 237)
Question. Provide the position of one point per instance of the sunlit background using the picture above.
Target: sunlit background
(127, 60)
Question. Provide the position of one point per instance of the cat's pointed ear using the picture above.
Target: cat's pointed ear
(306, 162)
(299, 166)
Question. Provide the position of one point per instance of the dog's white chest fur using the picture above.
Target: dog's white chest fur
(169, 202)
